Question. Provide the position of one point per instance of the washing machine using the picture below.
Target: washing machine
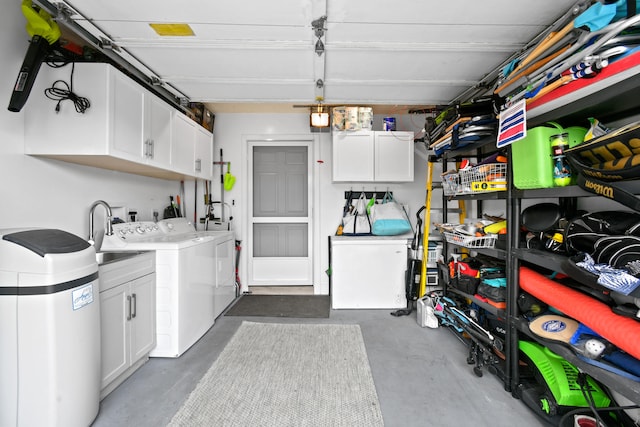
(195, 277)
(49, 329)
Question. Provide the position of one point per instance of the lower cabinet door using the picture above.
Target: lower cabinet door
(114, 333)
(143, 316)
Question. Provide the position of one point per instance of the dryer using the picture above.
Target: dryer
(195, 278)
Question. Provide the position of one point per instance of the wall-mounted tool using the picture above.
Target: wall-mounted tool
(44, 33)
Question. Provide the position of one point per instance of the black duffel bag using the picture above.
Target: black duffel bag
(601, 163)
(610, 237)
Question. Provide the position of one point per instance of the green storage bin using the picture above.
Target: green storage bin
(576, 135)
(531, 156)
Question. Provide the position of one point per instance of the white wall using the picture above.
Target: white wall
(38, 192)
(231, 130)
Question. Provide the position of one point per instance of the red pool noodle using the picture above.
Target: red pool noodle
(621, 331)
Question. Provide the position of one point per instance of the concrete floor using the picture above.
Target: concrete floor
(421, 377)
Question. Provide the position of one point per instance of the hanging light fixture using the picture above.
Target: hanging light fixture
(319, 117)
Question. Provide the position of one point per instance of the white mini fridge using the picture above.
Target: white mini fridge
(368, 272)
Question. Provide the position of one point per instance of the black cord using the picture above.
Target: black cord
(61, 91)
(585, 388)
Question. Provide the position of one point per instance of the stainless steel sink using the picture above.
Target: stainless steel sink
(107, 257)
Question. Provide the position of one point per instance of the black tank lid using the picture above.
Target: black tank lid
(47, 241)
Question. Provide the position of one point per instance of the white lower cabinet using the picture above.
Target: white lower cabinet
(368, 272)
(128, 317)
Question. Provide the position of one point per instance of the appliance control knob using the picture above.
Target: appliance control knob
(140, 230)
(170, 226)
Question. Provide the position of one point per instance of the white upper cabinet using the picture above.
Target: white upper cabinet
(203, 153)
(183, 136)
(371, 156)
(157, 132)
(393, 156)
(191, 148)
(126, 128)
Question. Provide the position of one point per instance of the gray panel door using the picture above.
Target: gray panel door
(280, 223)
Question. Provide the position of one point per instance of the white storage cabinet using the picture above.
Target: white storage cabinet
(128, 317)
(192, 147)
(127, 128)
(372, 156)
(368, 272)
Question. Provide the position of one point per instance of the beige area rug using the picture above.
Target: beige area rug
(286, 375)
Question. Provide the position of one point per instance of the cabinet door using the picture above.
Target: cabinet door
(203, 158)
(157, 138)
(393, 156)
(353, 156)
(127, 117)
(114, 329)
(143, 316)
(182, 143)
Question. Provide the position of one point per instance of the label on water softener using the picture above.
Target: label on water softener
(82, 296)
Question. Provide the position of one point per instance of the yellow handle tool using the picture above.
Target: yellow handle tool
(427, 225)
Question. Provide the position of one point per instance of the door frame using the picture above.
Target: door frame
(310, 141)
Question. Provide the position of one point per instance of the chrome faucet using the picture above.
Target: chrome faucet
(109, 230)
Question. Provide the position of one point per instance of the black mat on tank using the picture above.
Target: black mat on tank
(307, 306)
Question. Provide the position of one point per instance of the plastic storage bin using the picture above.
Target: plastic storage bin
(531, 156)
(532, 163)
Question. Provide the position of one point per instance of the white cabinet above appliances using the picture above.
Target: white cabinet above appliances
(126, 128)
(192, 148)
(372, 156)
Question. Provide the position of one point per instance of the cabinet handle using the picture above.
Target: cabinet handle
(198, 165)
(152, 148)
(135, 306)
(129, 311)
(146, 148)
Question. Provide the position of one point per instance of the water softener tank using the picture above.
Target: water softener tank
(49, 329)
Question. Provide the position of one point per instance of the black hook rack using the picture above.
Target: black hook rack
(351, 195)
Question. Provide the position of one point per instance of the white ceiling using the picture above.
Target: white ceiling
(402, 52)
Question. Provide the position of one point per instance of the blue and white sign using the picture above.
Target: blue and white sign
(513, 124)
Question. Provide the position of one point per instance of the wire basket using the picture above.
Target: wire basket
(483, 179)
(467, 241)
